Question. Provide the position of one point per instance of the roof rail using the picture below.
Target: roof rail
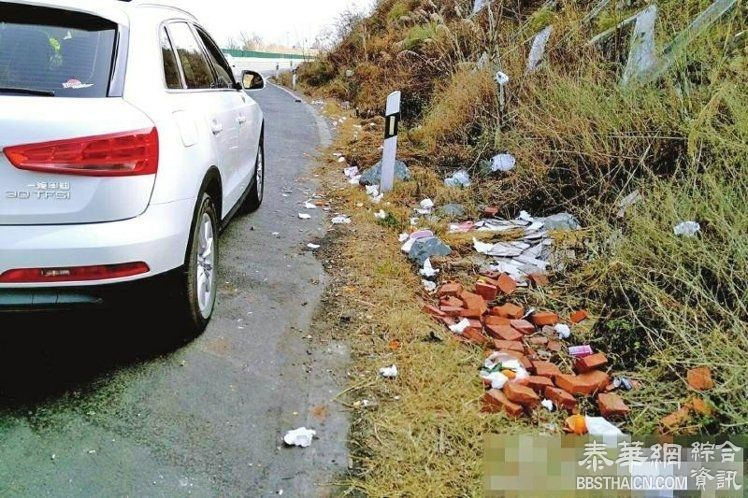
(162, 5)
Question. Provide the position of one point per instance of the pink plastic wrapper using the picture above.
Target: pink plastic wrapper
(580, 351)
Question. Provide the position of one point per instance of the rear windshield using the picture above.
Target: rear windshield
(54, 52)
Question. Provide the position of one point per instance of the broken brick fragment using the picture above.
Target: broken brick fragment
(433, 311)
(471, 313)
(497, 320)
(592, 362)
(585, 384)
(486, 291)
(451, 310)
(474, 301)
(538, 383)
(474, 335)
(509, 345)
(700, 406)
(543, 318)
(452, 301)
(495, 401)
(492, 275)
(450, 289)
(503, 332)
(538, 340)
(509, 310)
(507, 284)
(561, 398)
(475, 324)
(578, 316)
(678, 418)
(523, 326)
(490, 211)
(539, 279)
(521, 394)
(612, 405)
(700, 379)
(555, 346)
(546, 369)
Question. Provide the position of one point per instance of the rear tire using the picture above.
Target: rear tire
(257, 192)
(196, 286)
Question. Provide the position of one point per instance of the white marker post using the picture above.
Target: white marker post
(391, 124)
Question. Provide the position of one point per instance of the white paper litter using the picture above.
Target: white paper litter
(547, 404)
(501, 249)
(503, 162)
(351, 172)
(403, 237)
(598, 426)
(313, 247)
(341, 220)
(341, 159)
(563, 331)
(428, 270)
(388, 372)
(309, 205)
(428, 285)
(304, 216)
(497, 379)
(687, 229)
(301, 437)
(461, 327)
(459, 179)
(381, 215)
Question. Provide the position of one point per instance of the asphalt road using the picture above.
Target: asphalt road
(102, 404)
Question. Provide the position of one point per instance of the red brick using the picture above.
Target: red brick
(546, 369)
(542, 318)
(474, 335)
(495, 401)
(490, 211)
(433, 311)
(451, 310)
(497, 320)
(503, 332)
(611, 405)
(521, 395)
(471, 313)
(586, 384)
(524, 326)
(538, 340)
(507, 285)
(486, 291)
(578, 316)
(509, 310)
(539, 279)
(452, 301)
(510, 345)
(474, 301)
(561, 398)
(678, 418)
(700, 379)
(538, 383)
(450, 289)
(476, 324)
(448, 320)
(492, 275)
(592, 362)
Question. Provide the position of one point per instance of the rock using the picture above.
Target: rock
(452, 210)
(612, 405)
(509, 310)
(430, 247)
(373, 176)
(583, 384)
(700, 379)
(495, 401)
(592, 362)
(561, 398)
(521, 395)
(560, 221)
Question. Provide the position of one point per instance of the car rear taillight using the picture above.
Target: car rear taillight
(117, 154)
(73, 274)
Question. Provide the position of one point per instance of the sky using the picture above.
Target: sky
(286, 22)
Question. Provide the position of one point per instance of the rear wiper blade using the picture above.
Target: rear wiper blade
(28, 91)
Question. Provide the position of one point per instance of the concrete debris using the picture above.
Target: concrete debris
(426, 248)
(427, 207)
(341, 220)
(460, 179)
(373, 176)
(503, 163)
(687, 229)
(301, 437)
(388, 372)
(538, 49)
(304, 216)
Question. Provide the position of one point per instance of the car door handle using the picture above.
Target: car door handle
(241, 119)
(216, 127)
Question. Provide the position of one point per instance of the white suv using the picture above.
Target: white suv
(125, 146)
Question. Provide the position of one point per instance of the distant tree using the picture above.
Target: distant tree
(250, 41)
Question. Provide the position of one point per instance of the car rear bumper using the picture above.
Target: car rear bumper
(158, 238)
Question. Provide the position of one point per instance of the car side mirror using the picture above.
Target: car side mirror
(252, 80)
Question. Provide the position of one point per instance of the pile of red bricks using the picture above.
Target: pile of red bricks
(508, 329)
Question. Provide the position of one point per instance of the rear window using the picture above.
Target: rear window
(54, 52)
